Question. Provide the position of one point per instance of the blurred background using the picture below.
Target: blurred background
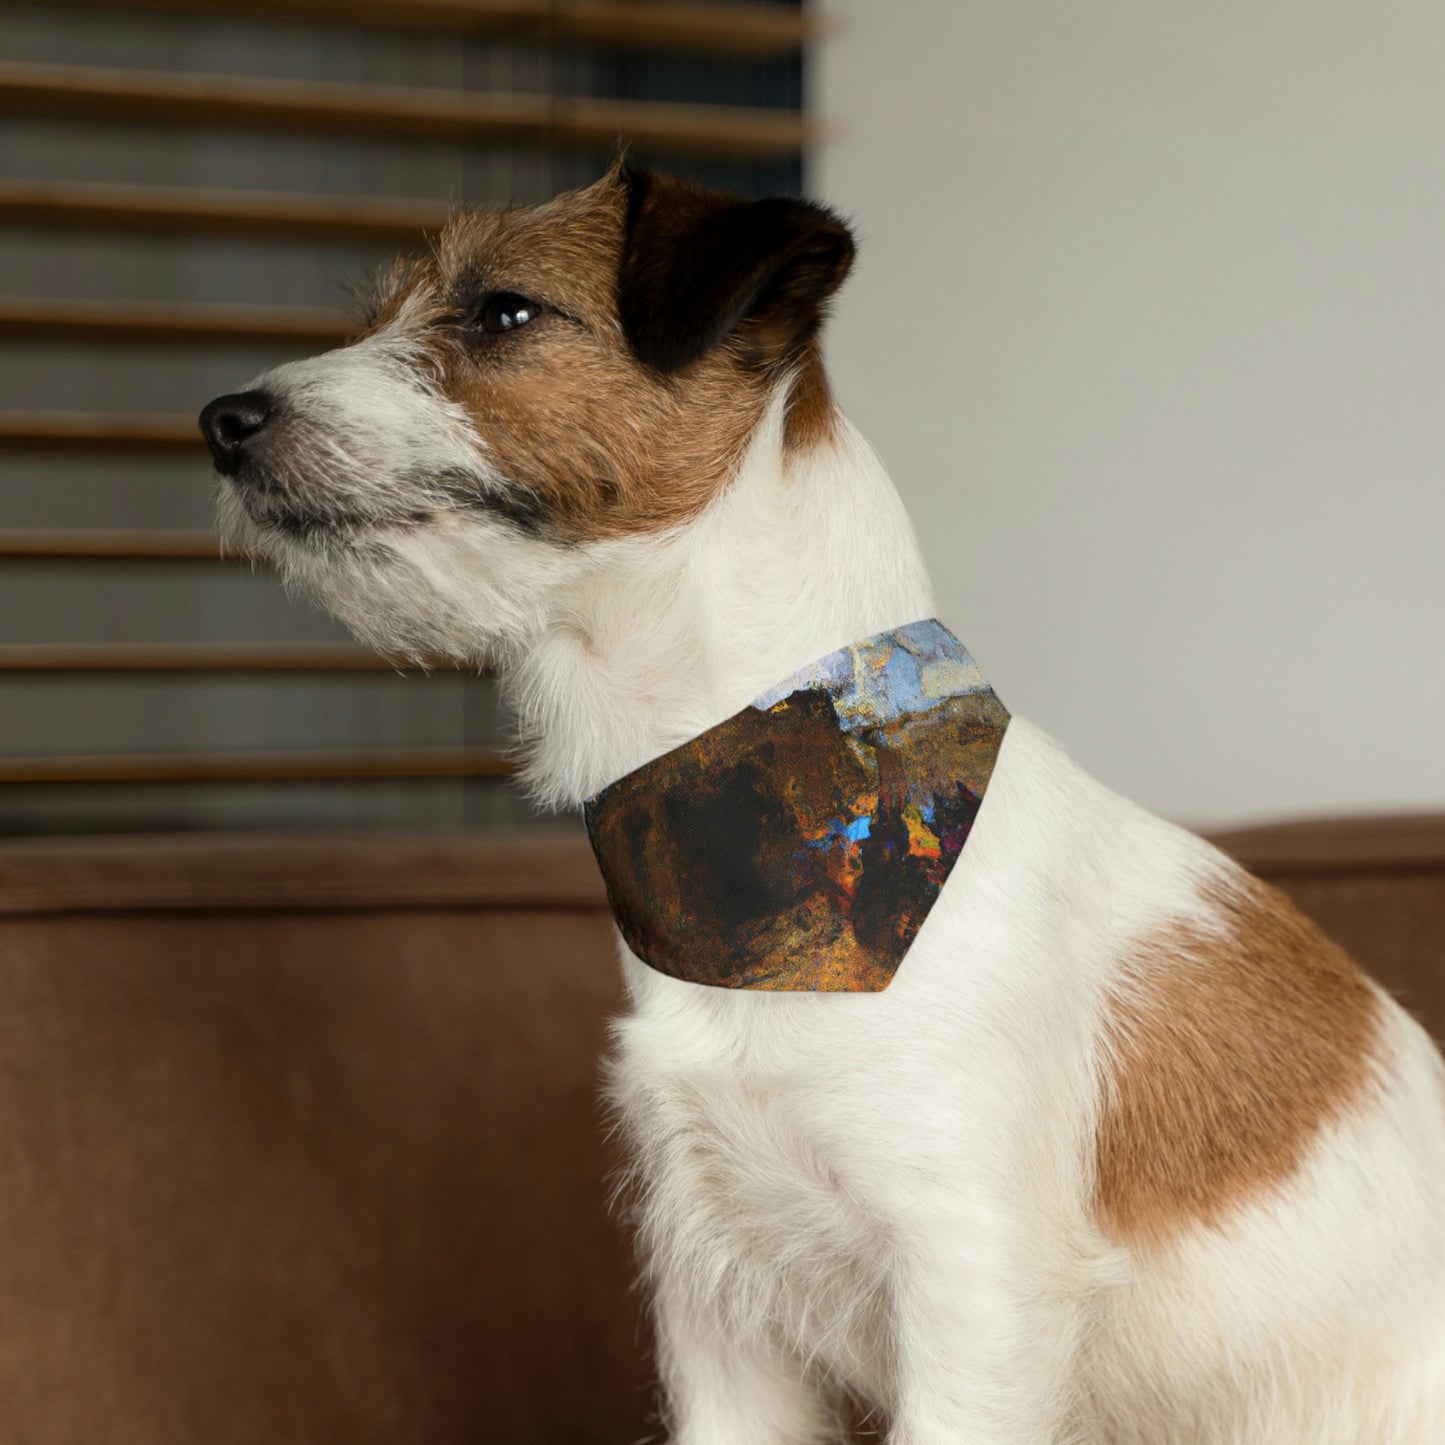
(301, 1005)
(190, 194)
(1148, 325)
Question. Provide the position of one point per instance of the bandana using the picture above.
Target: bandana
(800, 844)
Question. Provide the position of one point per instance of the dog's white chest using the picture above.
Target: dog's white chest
(748, 1190)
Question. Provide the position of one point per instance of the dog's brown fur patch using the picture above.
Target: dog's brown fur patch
(605, 445)
(1227, 1052)
(812, 413)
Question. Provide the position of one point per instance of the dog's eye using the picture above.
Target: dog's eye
(505, 311)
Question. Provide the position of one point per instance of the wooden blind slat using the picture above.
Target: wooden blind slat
(157, 97)
(359, 764)
(753, 31)
(169, 323)
(93, 431)
(109, 546)
(705, 29)
(175, 211)
(182, 657)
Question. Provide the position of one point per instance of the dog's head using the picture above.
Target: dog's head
(546, 382)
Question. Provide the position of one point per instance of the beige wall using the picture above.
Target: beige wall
(1149, 324)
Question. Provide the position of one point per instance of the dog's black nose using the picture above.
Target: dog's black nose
(229, 422)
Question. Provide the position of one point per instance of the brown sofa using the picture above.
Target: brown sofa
(299, 1141)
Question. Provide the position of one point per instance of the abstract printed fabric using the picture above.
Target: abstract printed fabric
(800, 844)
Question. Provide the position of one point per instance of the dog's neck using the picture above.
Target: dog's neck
(663, 638)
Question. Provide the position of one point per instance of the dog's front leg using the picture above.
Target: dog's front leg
(720, 1388)
(985, 1352)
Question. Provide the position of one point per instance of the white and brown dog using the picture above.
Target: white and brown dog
(1128, 1152)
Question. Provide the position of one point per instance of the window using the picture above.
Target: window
(188, 192)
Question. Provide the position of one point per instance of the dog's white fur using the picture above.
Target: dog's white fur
(891, 1193)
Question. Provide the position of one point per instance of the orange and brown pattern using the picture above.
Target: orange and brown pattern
(800, 844)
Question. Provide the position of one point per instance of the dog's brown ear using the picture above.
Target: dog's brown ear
(699, 267)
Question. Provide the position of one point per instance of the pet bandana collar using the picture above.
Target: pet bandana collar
(801, 843)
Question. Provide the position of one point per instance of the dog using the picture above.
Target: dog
(1127, 1153)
